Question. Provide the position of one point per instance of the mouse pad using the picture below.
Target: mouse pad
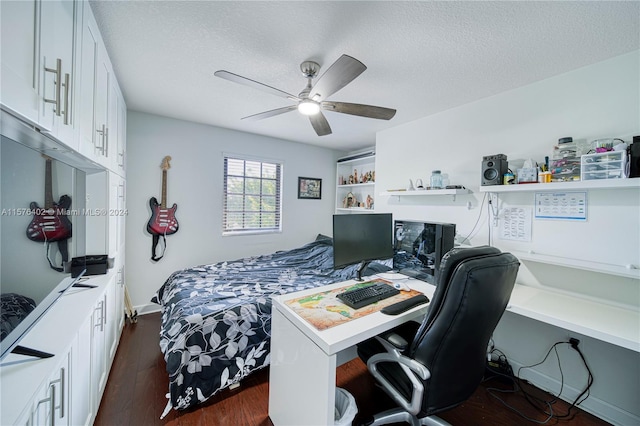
(324, 310)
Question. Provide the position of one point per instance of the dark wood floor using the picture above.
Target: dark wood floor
(138, 383)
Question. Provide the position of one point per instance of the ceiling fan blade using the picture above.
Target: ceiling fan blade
(320, 124)
(252, 83)
(368, 111)
(339, 74)
(270, 113)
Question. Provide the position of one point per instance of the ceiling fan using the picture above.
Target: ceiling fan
(312, 100)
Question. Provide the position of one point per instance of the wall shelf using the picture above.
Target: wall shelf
(426, 192)
(604, 268)
(631, 183)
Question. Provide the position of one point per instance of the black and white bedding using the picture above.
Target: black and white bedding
(216, 318)
(13, 309)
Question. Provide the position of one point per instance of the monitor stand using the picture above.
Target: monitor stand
(363, 265)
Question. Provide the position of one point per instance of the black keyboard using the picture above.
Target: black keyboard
(363, 296)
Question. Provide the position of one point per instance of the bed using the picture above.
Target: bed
(13, 309)
(216, 318)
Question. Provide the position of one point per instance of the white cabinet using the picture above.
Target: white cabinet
(57, 59)
(98, 350)
(84, 409)
(19, 74)
(355, 178)
(51, 406)
(94, 90)
(38, 59)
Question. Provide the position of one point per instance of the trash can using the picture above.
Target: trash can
(345, 409)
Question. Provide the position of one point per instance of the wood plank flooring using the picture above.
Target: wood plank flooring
(138, 383)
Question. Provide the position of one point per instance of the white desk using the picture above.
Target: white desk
(302, 377)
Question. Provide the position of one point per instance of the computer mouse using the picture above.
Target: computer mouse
(401, 286)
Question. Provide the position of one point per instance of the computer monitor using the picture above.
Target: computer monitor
(361, 238)
(419, 247)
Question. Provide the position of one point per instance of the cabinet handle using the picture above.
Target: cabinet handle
(50, 400)
(66, 99)
(105, 152)
(102, 319)
(102, 131)
(61, 381)
(57, 81)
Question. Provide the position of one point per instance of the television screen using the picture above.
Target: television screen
(361, 238)
(419, 247)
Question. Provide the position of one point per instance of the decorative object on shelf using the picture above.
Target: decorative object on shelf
(309, 188)
(50, 223)
(163, 220)
(349, 201)
(369, 202)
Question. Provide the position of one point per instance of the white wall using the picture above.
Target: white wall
(194, 183)
(602, 100)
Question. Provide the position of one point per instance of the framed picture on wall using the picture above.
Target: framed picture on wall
(309, 188)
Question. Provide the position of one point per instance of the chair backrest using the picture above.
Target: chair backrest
(472, 292)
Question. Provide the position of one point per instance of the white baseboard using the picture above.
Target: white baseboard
(592, 405)
(148, 308)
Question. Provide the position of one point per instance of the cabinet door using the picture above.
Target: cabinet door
(98, 351)
(122, 135)
(101, 106)
(57, 36)
(19, 75)
(52, 404)
(83, 409)
(89, 42)
(111, 321)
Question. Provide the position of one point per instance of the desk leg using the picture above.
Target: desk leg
(302, 378)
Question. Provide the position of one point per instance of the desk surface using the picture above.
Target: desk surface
(343, 336)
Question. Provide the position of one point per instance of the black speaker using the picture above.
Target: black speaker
(493, 168)
(634, 158)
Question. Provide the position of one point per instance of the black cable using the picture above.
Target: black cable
(536, 402)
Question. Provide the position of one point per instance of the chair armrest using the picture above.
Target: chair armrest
(414, 371)
(395, 339)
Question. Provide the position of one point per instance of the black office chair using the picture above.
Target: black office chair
(434, 366)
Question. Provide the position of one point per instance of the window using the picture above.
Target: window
(251, 195)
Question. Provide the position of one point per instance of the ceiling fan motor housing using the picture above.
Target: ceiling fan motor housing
(309, 69)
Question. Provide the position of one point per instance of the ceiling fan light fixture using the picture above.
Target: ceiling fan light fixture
(308, 107)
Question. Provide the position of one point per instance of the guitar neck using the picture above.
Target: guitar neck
(48, 190)
(163, 204)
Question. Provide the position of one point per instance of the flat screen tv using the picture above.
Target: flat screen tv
(362, 238)
(419, 247)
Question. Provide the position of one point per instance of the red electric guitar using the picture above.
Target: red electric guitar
(163, 220)
(49, 223)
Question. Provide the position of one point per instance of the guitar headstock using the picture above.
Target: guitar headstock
(165, 163)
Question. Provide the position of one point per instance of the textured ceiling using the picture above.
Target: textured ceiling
(422, 57)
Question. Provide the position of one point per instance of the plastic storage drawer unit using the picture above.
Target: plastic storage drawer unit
(604, 165)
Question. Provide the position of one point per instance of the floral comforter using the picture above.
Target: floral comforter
(216, 319)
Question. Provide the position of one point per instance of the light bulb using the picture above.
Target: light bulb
(308, 107)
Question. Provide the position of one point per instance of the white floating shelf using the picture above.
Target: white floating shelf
(604, 268)
(631, 183)
(354, 209)
(428, 192)
(357, 185)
